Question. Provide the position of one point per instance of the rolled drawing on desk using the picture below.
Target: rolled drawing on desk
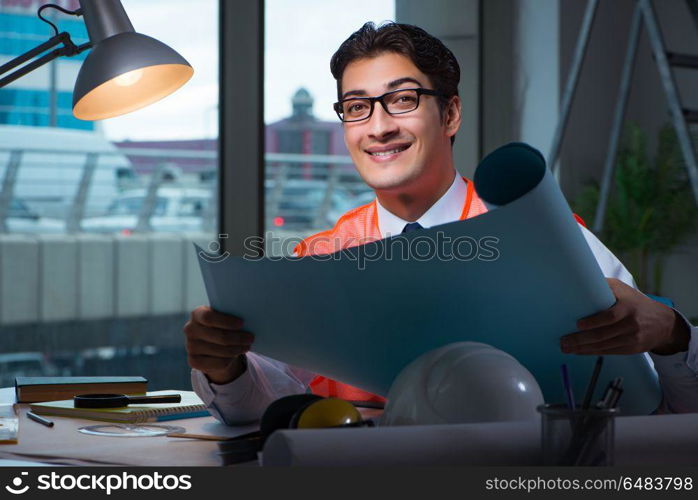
(640, 440)
(330, 299)
(205, 437)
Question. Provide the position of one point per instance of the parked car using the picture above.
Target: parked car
(301, 204)
(24, 364)
(20, 219)
(176, 209)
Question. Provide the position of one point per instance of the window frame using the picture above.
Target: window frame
(241, 124)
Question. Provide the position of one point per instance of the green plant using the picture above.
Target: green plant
(650, 210)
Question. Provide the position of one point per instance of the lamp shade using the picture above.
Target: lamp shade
(126, 72)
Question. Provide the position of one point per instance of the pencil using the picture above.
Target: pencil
(41, 420)
(592, 383)
(568, 386)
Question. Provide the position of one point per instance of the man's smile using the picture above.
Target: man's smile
(387, 152)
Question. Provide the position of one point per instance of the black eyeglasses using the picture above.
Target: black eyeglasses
(395, 102)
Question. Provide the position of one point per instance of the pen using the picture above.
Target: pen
(618, 390)
(568, 386)
(603, 402)
(609, 401)
(41, 420)
(613, 387)
(581, 426)
(592, 383)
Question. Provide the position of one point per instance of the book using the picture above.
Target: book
(190, 406)
(38, 389)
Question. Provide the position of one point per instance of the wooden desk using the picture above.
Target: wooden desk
(63, 444)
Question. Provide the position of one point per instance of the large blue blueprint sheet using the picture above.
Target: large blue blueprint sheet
(360, 320)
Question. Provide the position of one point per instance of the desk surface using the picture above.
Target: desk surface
(645, 440)
(63, 444)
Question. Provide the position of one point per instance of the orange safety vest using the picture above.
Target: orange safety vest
(358, 227)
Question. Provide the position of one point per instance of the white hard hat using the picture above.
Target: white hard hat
(460, 383)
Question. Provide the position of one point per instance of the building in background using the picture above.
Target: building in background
(196, 164)
(303, 133)
(42, 98)
(300, 133)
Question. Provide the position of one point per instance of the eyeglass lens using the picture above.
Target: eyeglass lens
(398, 102)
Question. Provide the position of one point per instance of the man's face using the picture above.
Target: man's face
(398, 152)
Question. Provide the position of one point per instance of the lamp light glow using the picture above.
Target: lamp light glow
(130, 78)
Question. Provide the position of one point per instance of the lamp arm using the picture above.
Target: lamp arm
(77, 12)
(68, 49)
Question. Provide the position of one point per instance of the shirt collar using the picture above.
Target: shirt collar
(448, 208)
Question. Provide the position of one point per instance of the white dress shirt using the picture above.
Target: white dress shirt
(265, 379)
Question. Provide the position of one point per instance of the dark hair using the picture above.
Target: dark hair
(425, 51)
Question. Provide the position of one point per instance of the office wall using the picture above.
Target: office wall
(456, 23)
(538, 86)
(586, 139)
(527, 48)
(499, 120)
(521, 83)
(586, 142)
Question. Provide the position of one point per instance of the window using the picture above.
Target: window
(309, 177)
(104, 294)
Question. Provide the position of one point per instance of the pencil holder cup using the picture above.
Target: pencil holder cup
(577, 437)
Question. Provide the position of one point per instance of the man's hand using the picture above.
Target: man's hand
(215, 344)
(635, 323)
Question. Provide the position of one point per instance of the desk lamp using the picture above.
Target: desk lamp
(125, 70)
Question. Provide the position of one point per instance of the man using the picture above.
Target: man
(399, 104)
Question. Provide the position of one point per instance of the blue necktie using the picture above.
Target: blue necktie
(412, 226)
